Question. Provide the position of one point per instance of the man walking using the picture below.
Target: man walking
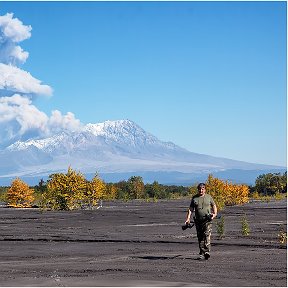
(205, 209)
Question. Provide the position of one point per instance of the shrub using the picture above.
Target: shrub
(245, 226)
(220, 226)
(282, 236)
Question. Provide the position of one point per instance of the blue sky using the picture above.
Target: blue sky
(208, 76)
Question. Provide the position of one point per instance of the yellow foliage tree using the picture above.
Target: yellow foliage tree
(95, 190)
(225, 193)
(71, 191)
(19, 194)
(65, 191)
(216, 188)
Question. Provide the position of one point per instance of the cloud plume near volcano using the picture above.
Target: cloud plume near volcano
(19, 118)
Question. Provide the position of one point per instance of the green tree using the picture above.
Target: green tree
(271, 183)
(220, 227)
(156, 190)
(41, 187)
(135, 187)
(111, 192)
(159, 190)
(122, 190)
(3, 193)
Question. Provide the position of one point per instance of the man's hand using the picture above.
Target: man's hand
(214, 215)
(188, 217)
(214, 209)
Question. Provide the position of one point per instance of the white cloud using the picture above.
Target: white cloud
(18, 53)
(68, 122)
(19, 118)
(14, 80)
(12, 31)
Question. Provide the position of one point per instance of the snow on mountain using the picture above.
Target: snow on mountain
(122, 132)
(122, 137)
(109, 147)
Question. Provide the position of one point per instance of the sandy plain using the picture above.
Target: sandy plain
(140, 243)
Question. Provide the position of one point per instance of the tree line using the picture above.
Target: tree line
(270, 184)
(71, 190)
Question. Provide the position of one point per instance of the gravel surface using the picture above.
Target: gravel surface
(140, 243)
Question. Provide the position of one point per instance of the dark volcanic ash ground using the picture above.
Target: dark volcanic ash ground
(140, 244)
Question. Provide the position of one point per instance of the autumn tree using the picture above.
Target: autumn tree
(19, 194)
(71, 191)
(215, 187)
(225, 193)
(95, 190)
(65, 191)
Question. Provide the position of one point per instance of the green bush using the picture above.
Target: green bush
(245, 226)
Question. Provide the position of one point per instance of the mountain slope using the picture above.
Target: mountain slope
(110, 147)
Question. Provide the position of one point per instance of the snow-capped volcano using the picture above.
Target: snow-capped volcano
(118, 137)
(109, 147)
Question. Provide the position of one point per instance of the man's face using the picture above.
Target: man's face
(202, 190)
